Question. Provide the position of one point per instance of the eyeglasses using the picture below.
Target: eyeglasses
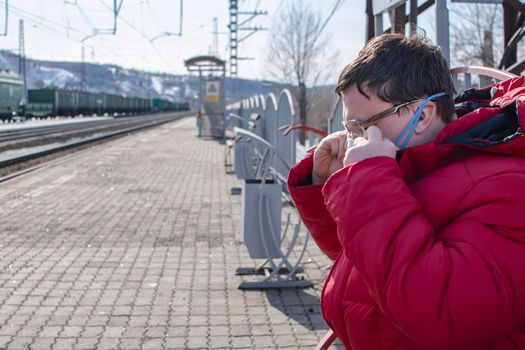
(357, 128)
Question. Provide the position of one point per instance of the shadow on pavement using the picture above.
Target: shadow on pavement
(301, 306)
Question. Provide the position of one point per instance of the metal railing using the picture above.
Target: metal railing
(274, 151)
(476, 76)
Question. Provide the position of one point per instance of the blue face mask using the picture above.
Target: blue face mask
(409, 130)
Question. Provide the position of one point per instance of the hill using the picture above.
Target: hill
(114, 79)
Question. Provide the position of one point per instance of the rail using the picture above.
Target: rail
(286, 129)
(96, 136)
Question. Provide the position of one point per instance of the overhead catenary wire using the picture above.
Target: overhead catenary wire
(181, 8)
(253, 15)
(47, 25)
(132, 26)
(27, 13)
(337, 5)
(154, 15)
(86, 17)
(49, 18)
(66, 16)
(108, 31)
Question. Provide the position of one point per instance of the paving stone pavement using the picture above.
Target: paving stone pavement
(133, 244)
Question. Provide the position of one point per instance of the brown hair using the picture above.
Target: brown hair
(399, 69)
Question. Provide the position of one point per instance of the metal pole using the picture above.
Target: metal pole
(369, 21)
(399, 19)
(510, 24)
(233, 38)
(378, 24)
(413, 16)
(6, 18)
(22, 63)
(83, 70)
(442, 26)
(215, 41)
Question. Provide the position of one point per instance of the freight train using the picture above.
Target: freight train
(54, 102)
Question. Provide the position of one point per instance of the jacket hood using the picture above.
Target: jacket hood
(489, 120)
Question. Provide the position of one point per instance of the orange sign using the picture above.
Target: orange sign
(212, 91)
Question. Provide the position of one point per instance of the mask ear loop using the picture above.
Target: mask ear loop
(409, 130)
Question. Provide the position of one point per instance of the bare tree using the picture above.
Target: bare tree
(477, 34)
(298, 52)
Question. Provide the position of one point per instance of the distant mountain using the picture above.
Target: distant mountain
(127, 82)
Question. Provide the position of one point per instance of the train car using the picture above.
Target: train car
(63, 102)
(39, 110)
(162, 105)
(87, 103)
(183, 106)
(158, 105)
(53, 101)
(146, 105)
(120, 104)
(72, 102)
(11, 94)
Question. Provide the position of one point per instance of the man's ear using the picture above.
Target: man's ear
(426, 118)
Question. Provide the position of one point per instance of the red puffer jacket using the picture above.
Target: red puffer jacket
(430, 250)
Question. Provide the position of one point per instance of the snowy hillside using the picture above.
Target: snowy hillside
(127, 82)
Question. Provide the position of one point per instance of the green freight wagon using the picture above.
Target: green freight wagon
(158, 104)
(145, 105)
(38, 110)
(120, 104)
(64, 102)
(182, 106)
(87, 103)
(11, 93)
(72, 102)
(112, 104)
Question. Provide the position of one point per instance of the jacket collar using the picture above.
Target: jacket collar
(491, 125)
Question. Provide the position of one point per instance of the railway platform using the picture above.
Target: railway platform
(133, 244)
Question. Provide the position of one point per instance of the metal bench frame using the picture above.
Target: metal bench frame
(274, 276)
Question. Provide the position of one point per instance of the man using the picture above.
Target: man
(423, 212)
(199, 122)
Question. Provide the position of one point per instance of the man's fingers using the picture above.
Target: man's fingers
(374, 134)
(342, 146)
(336, 144)
(334, 147)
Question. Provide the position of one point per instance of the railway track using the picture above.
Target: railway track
(26, 147)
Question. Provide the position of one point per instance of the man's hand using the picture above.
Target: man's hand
(328, 156)
(375, 145)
